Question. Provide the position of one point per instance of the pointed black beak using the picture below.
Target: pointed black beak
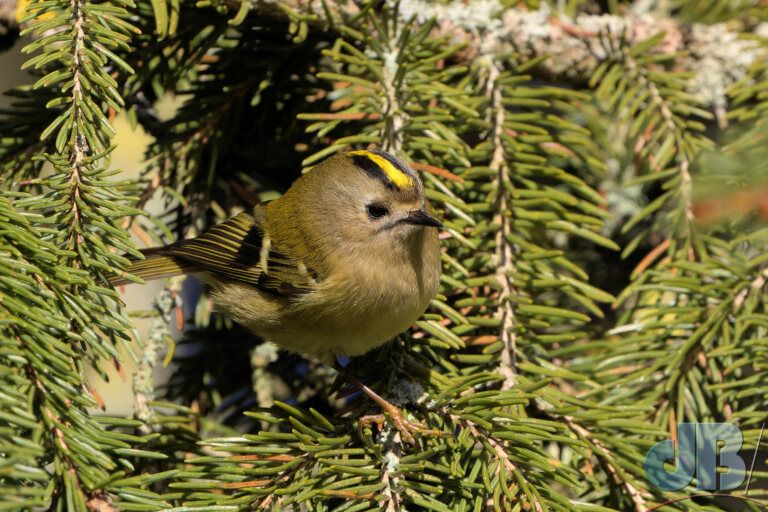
(422, 218)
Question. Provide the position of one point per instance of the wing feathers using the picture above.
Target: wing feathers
(233, 250)
(155, 266)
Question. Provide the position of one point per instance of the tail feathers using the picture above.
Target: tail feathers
(155, 266)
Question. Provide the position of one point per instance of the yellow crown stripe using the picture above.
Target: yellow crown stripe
(395, 175)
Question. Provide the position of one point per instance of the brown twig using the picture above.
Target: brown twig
(603, 455)
(504, 256)
(437, 171)
(652, 255)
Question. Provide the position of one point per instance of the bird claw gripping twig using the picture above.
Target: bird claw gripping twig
(408, 429)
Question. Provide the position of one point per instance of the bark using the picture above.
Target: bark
(716, 53)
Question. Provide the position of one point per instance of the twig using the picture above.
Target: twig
(498, 450)
(504, 254)
(604, 456)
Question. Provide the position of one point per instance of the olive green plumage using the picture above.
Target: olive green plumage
(345, 260)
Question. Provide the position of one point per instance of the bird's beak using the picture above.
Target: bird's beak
(422, 218)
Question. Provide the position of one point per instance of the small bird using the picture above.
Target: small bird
(344, 261)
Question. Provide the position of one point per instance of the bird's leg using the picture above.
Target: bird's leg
(406, 428)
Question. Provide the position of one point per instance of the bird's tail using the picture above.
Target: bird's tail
(155, 265)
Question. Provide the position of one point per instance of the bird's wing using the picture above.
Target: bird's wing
(239, 250)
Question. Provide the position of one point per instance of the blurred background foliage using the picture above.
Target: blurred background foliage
(600, 168)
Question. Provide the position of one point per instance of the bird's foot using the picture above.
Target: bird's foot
(408, 429)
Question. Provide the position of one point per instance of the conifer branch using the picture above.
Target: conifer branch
(504, 252)
(503, 460)
(571, 48)
(681, 151)
(528, 402)
(394, 117)
(78, 146)
(604, 456)
(390, 480)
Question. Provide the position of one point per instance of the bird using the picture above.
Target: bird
(344, 261)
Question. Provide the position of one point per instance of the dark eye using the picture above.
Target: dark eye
(377, 211)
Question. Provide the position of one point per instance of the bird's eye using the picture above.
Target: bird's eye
(377, 211)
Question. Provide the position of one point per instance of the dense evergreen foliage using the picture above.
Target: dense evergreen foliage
(604, 254)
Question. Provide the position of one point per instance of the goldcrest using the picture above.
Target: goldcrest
(347, 259)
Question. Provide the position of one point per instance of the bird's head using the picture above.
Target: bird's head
(372, 197)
